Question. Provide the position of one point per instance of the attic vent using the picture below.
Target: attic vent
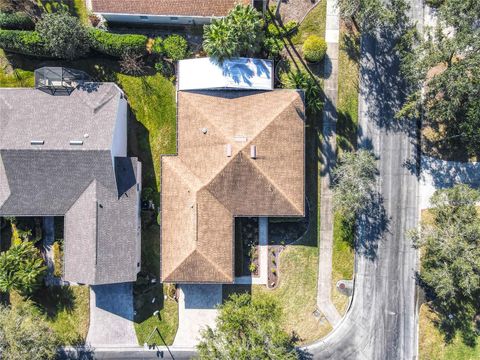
(37, 142)
(253, 151)
(229, 150)
(76, 142)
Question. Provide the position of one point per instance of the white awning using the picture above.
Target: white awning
(239, 73)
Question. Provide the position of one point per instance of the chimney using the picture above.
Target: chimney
(253, 151)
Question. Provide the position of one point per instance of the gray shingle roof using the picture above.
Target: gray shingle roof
(97, 194)
(30, 114)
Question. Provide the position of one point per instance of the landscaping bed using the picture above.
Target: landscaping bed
(246, 246)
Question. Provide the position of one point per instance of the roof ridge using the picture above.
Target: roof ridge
(186, 169)
(273, 183)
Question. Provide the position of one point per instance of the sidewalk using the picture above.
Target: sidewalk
(328, 154)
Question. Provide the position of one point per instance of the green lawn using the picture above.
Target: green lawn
(313, 24)
(153, 133)
(297, 293)
(432, 345)
(65, 308)
(347, 107)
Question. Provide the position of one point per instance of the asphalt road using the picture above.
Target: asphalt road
(381, 323)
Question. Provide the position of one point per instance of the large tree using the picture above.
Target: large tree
(64, 36)
(238, 34)
(24, 335)
(443, 74)
(21, 268)
(354, 182)
(450, 244)
(371, 15)
(247, 329)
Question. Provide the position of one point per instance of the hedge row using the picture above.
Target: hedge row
(22, 42)
(16, 21)
(117, 44)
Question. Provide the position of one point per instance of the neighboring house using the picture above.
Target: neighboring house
(67, 156)
(240, 153)
(169, 12)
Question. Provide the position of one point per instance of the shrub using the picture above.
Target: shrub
(157, 47)
(313, 94)
(132, 64)
(21, 268)
(165, 68)
(314, 48)
(240, 33)
(57, 259)
(64, 36)
(22, 42)
(117, 44)
(175, 47)
(16, 21)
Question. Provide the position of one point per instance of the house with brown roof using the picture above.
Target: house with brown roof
(170, 12)
(240, 154)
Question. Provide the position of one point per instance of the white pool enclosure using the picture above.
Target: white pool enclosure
(238, 73)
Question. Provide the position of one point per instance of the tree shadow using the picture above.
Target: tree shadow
(85, 352)
(51, 300)
(383, 86)
(372, 224)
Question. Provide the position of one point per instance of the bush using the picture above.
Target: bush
(64, 36)
(157, 47)
(22, 42)
(314, 48)
(240, 33)
(175, 47)
(16, 21)
(117, 44)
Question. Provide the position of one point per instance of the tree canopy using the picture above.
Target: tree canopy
(64, 36)
(443, 71)
(354, 182)
(237, 34)
(21, 268)
(247, 329)
(450, 243)
(25, 336)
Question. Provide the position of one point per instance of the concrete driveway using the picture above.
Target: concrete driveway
(196, 310)
(111, 316)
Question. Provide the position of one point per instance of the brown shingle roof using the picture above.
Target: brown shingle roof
(167, 7)
(203, 189)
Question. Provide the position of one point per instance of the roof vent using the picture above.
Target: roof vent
(204, 130)
(37, 142)
(229, 150)
(76, 142)
(253, 151)
(240, 138)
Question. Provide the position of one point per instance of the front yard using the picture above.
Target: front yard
(432, 345)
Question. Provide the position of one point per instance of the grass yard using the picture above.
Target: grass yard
(166, 322)
(347, 107)
(152, 100)
(432, 345)
(65, 308)
(313, 24)
(297, 293)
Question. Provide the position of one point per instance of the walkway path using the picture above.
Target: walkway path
(328, 153)
(111, 316)
(196, 309)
